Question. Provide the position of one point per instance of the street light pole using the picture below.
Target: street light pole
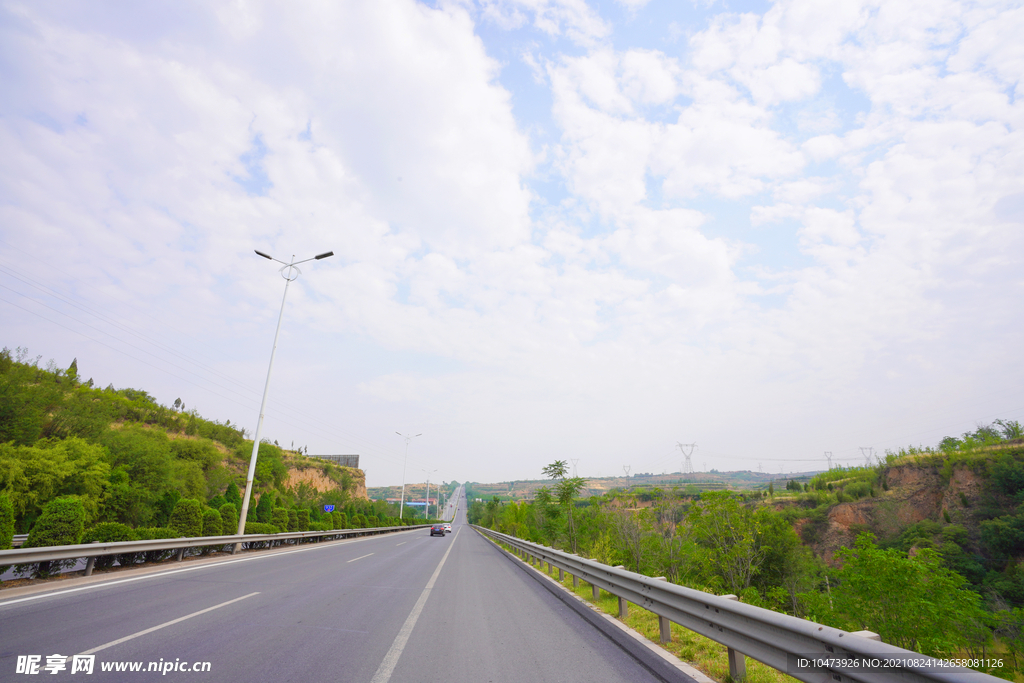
(289, 272)
(405, 464)
(428, 472)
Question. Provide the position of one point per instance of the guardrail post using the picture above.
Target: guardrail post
(561, 575)
(575, 581)
(596, 592)
(664, 625)
(90, 564)
(623, 605)
(737, 660)
(181, 554)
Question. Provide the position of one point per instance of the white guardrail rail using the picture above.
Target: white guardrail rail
(828, 654)
(94, 550)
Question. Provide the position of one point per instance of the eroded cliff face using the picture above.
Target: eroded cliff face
(916, 493)
(316, 479)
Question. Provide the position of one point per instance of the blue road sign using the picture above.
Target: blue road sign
(328, 508)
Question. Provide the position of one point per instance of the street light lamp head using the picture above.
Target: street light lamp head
(323, 255)
(266, 256)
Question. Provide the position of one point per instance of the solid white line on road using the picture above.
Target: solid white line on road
(402, 543)
(169, 623)
(358, 558)
(387, 667)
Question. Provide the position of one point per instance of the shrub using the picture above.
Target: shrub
(260, 528)
(359, 522)
(6, 522)
(302, 517)
(152, 534)
(62, 523)
(341, 520)
(229, 519)
(858, 489)
(108, 532)
(213, 525)
(187, 518)
(293, 520)
(279, 518)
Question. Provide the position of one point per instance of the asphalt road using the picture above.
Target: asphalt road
(399, 608)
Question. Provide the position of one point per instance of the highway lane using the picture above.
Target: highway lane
(329, 612)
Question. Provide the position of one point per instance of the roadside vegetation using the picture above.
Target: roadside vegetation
(79, 463)
(947, 586)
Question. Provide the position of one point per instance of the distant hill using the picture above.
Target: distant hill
(690, 483)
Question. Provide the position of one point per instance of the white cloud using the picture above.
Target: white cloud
(634, 304)
(573, 19)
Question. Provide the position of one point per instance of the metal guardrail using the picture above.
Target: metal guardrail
(94, 550)
(769, 637)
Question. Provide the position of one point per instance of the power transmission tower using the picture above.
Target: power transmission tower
(868, 452)
(828, 455)
(687, 450)
(626, 468)
(574, 461)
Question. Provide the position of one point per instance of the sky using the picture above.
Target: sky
(562, 230)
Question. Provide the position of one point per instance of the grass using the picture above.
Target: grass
(700, 652)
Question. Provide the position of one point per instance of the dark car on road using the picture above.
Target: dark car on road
(437, 530)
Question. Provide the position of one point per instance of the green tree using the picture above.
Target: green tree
(62, 523)
(187, 518)
(912, 602)
(6, 522)
(279, 518)
(34, 475)
(125, 501)
(144, 453)
(229, 519)
(566, 491)
(302, 517)
(633, 533)
(213, 525)
(729, 538)
(265, 508)
(342, 520)
(233, 496)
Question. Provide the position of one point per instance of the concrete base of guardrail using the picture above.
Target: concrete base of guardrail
(661, 663)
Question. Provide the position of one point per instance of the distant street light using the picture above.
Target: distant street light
(408, 438)
(289, 272)
(429, 472)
